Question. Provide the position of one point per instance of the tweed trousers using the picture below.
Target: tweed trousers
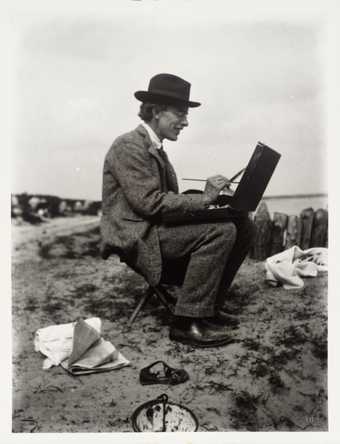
(211, 254)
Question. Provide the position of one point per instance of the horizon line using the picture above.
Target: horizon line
(285, 196)
(271, 196)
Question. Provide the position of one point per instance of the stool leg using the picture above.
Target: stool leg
(162, 299)
(140, 305)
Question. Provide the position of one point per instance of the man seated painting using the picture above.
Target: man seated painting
(140, 188)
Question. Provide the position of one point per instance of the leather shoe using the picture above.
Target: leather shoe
(199, 333)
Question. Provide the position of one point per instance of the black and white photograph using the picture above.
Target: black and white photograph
(170, 198)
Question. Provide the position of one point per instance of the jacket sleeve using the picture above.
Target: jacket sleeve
(133, 169)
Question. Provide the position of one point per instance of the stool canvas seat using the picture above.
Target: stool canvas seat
(173, 273)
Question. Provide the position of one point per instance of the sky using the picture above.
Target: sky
(73, 79)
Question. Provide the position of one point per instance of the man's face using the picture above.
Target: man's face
(171, 121)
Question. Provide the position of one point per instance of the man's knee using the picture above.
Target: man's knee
(244, 231)
(227, 231)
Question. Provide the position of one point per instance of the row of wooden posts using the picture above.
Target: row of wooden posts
(307, 230)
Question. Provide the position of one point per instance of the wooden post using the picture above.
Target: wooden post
(320, 229)
(307, 217)
(293, 236)
(278, 232)
(263, 225)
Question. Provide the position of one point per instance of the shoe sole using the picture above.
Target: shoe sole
(203, 345)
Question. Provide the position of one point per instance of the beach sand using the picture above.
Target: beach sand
(272, 377)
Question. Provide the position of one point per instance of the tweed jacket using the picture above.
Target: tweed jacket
(139, 187)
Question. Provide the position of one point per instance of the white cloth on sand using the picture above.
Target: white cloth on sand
(289, 266)
(56, 342)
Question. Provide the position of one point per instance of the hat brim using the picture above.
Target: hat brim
(163, 99)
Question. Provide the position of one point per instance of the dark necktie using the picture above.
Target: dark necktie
(164, 156)
(171, 180)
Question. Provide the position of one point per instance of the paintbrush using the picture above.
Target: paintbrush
(232, 180)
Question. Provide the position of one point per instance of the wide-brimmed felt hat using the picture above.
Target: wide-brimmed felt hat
(167, 89)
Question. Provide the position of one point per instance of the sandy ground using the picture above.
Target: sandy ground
(272, 377)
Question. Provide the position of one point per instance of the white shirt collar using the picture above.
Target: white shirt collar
(153, 136)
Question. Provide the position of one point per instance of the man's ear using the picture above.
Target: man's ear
(155, 113)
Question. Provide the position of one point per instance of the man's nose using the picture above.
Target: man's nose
(185, 121)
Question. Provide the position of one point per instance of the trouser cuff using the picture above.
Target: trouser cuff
(194, 312)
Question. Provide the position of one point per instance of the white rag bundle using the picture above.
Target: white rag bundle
(289, 266)
(56, 341)
(81, 343)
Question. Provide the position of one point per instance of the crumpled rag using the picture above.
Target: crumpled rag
(56, 342)
(288, 267)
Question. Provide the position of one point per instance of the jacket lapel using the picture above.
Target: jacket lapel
(171, 175)
(172, 178)
(154, 152)
(168, 175)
